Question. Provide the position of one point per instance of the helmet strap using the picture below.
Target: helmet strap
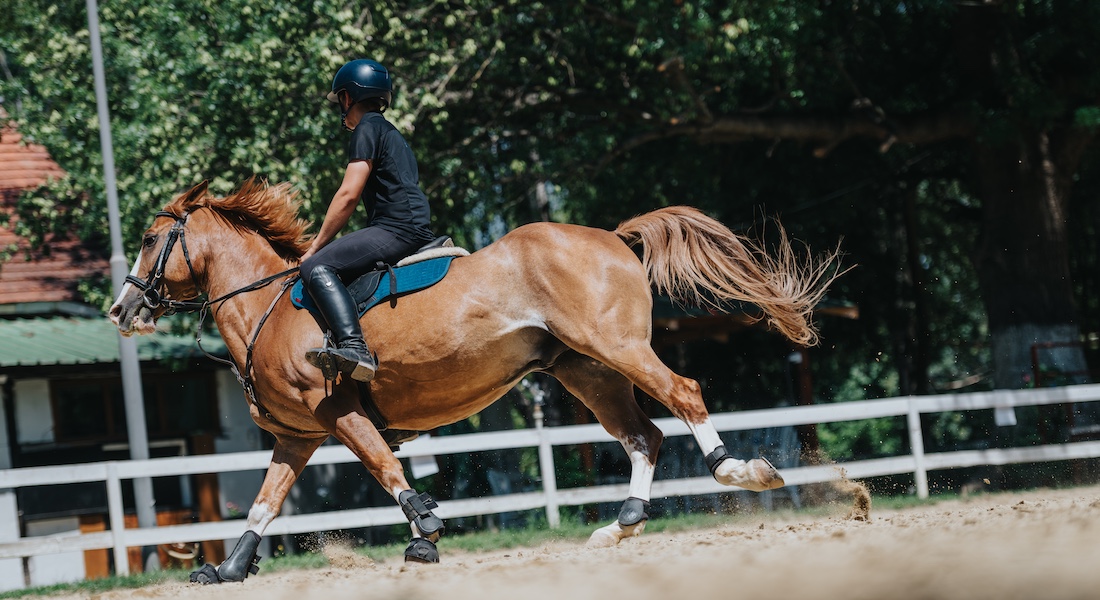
(344, 111)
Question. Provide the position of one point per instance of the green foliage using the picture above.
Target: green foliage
(525, 111)
(870, 438)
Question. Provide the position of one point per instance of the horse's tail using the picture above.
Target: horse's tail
(696, 260)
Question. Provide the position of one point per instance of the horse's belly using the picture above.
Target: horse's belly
(421, 389)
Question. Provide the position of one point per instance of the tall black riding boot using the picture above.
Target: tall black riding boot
(350, 356)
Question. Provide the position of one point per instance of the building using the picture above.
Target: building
(62, 401)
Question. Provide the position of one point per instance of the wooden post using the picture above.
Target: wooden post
(97, 563)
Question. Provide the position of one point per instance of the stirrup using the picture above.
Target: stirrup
(360, 366)
(333, 360)
(323, 360)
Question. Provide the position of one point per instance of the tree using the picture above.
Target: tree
(866, 119)
(1002, 94)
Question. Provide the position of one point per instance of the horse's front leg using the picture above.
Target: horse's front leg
(287, 461)
(342, 415)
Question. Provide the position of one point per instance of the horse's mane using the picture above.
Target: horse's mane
(270, 210)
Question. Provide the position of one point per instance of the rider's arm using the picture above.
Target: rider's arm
(343, 204)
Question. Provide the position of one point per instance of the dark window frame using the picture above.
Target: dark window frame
(157, 398)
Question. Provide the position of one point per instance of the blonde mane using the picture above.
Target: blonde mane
(270, 210)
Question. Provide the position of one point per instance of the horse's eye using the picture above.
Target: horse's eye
(149, 241)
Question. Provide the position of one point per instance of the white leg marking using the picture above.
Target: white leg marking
(259, 517)
(641, 470)
(641, 483)
(756, 475)
(705, 435)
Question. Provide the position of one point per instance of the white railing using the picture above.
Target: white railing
(550, 498)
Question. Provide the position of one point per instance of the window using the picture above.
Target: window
(93, 409)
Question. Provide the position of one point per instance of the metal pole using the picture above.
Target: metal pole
(127, 347)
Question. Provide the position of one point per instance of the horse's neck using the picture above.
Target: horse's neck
(232, 265)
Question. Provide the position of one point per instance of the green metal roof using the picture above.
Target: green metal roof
(47, 341)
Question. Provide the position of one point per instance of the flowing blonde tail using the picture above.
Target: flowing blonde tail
(696, 260)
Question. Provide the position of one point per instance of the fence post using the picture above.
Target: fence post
(546, 469)
(118, 520)
(11, 569)
(916, 445)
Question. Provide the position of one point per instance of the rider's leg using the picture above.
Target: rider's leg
(351, 355)
(323, 275)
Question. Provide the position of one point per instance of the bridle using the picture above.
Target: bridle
(150, 286)
(152, 299)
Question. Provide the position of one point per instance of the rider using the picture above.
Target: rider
(382, 171)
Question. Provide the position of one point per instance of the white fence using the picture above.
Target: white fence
(550, 498)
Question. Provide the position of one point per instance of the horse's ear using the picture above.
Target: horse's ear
(195, 193)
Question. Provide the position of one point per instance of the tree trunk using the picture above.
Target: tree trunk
(1023, 258)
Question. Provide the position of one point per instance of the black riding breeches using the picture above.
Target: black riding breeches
(358, 252)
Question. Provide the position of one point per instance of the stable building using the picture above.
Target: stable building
(61, 400)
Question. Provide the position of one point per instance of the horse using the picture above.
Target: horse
(568, 300)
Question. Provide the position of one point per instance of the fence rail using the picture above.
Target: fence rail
(550, 498)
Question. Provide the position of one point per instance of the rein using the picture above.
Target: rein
(152, 299)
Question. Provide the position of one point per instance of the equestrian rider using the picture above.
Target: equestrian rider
(382, 172)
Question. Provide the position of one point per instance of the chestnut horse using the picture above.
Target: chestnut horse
(571, 301)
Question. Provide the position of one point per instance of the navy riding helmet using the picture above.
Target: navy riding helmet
(362, 79)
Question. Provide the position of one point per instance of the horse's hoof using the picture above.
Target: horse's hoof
(765, 474)
(421, 550)
(206, 575)
(605, 537)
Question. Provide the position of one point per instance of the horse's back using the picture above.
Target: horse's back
(564, 252)
(577, 279)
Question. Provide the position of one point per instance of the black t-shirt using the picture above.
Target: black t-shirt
(393, 196)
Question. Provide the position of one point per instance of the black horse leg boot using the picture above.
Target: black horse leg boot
(350, 356)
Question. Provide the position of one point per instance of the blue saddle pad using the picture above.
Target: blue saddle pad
(374, 287)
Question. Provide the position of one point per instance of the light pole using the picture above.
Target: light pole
(127, 347)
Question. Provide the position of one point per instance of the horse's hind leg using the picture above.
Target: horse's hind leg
(684, 399)
(287, 461)
(610, 396)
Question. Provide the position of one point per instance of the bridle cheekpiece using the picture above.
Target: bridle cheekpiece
(150, 287)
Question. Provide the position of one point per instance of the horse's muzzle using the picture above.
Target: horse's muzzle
(131, 315)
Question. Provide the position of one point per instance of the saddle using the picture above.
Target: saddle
(421, 269)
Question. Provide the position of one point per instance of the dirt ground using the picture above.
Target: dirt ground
(1042, 544)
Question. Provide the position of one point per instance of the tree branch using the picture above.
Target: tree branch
(828, 131)
(675, 68)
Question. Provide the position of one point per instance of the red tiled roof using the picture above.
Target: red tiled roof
(23, 166)
(37, 276)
